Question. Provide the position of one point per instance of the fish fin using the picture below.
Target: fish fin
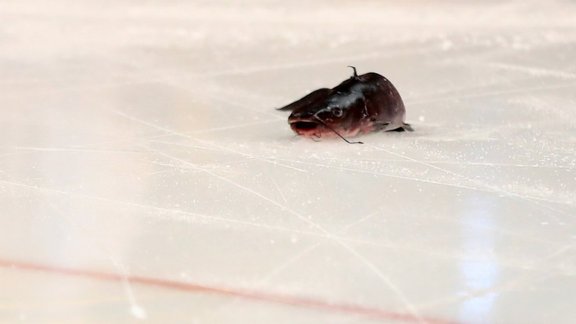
(380, 126)
(389, 127)
(310, 98)
(407, 127)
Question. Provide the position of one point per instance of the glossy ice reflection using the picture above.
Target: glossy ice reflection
(479, 275)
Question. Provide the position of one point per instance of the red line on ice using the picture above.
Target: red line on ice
(374, 313)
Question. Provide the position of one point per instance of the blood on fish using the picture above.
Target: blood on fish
(359, 105)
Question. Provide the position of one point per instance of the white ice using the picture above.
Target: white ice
(139, 142)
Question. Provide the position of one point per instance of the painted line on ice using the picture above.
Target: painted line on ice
(305, 302)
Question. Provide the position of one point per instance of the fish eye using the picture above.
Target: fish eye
(336, 111)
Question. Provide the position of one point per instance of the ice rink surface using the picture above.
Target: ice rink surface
(145, 175)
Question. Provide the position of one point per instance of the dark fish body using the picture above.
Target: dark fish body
(361, 104)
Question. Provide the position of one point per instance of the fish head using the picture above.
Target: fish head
(340, 112)
(318, 120)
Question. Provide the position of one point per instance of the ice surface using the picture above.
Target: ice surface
(144, 174)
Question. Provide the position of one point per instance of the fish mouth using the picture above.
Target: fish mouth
(306, 127)
(316, 128)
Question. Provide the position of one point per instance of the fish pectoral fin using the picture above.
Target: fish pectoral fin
(407, 127)
(389, 127)
(307, 100)
(380, 126)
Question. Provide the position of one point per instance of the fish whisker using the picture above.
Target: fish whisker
(335, 132)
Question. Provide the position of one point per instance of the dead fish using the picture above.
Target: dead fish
(361, 104)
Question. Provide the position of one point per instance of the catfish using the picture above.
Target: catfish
(361, 104)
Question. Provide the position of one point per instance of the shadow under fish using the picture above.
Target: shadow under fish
(359, 105)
